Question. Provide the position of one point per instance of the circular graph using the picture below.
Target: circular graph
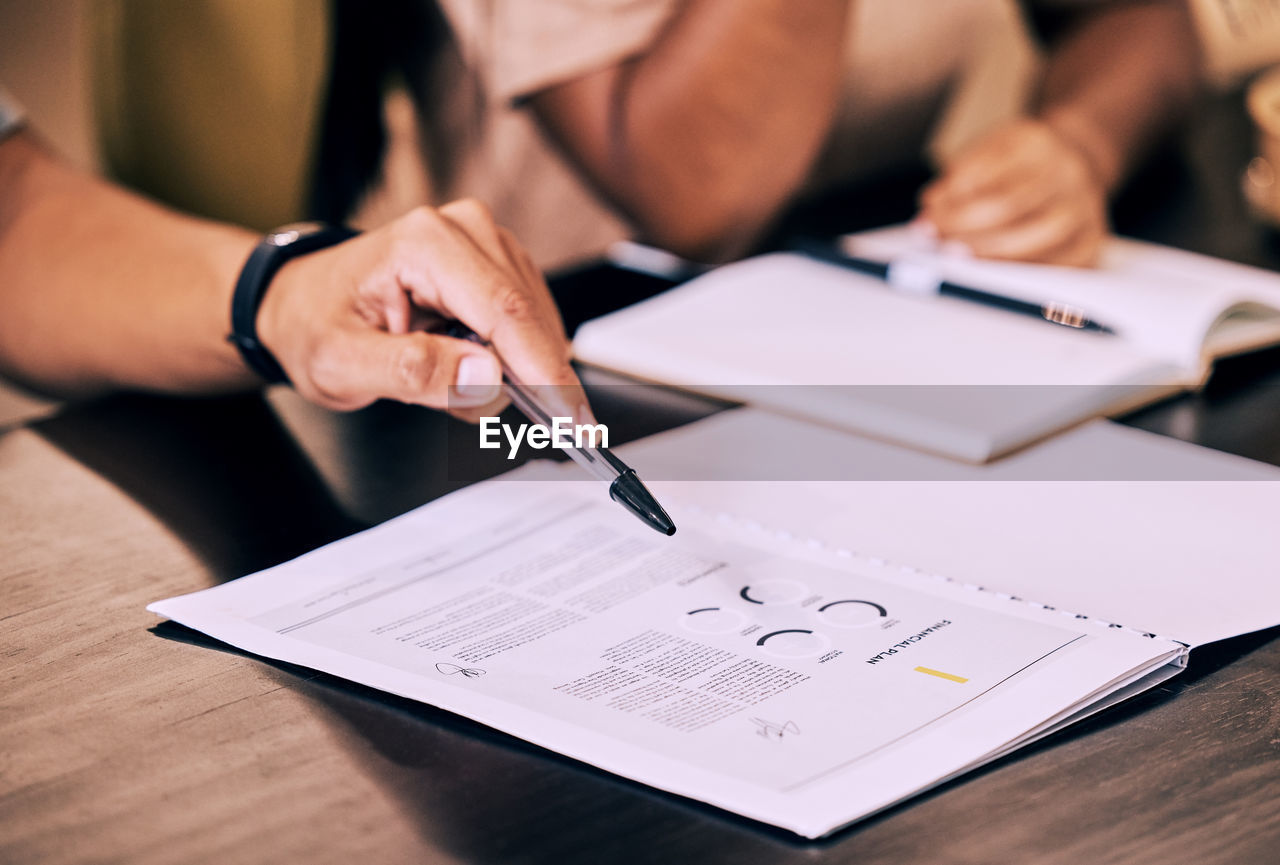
(712, 620)
(794, 643)
(852, 614)
(775, 591)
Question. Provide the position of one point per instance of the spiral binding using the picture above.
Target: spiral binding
(725, 517)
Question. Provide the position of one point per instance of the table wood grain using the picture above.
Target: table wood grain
(125, 740)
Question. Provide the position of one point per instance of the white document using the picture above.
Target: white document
(796, 674)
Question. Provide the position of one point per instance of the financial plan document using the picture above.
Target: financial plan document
(793, 682)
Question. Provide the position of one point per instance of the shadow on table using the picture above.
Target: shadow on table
(484, 796)
(248, 482)
(231, 479)
(223, 474)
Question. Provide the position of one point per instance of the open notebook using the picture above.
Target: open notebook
(946, 375)
(802, 654)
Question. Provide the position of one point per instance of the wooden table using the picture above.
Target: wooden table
(123, 740)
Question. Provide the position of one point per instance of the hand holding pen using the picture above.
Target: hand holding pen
(350, 324)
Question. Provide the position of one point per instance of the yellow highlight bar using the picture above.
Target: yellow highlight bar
(942, 675)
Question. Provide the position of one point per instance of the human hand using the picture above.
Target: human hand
(349, 323)
(1025, 192)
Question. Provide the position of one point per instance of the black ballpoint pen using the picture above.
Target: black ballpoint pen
(625, 486)
(1063, 314)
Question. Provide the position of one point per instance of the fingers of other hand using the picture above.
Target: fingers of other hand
(1059, 234)
(1081, 251)
(1022, 194)
(1068, 231)
(990, 162)
(1017, 197)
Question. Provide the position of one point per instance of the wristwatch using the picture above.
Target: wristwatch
(264, 262)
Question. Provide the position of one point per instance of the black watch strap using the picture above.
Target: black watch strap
(263, 264)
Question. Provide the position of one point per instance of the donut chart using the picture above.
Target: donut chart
(851, 613)
(794, 643)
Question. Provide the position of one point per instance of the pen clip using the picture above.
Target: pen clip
(1064, 314)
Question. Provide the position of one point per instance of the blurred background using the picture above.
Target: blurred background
(265, 112)
(262, 112)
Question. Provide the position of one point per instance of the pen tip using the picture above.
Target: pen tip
(628, 491)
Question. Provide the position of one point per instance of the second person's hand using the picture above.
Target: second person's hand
(1023, 192)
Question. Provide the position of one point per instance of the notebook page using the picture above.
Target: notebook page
(788, 320)
(1166, 301)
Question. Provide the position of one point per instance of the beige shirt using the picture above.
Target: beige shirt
(213, 105)
(919, 76)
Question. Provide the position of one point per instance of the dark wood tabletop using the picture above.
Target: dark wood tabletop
(124, 739)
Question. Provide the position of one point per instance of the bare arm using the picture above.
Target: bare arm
(702, 140)
(1036, 189)
(1121, 75)
(101, 289)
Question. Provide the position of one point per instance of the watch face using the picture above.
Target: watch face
(287, 234)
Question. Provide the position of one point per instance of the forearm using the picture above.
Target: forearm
(1118, 78)
(102, 289)
(703, 139)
